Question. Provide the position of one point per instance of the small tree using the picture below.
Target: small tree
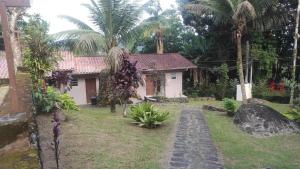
(39, 49)
(126, 81)
(222, 82)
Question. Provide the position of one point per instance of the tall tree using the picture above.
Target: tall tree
(113, 24)
(237, 13)
(295, 51)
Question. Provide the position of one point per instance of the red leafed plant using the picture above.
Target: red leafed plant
(126, 80)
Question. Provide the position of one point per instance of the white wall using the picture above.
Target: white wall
(79, 92)
(173, 88)
(141, 90)
(248, 87)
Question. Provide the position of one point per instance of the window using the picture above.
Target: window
(173, 75)
(74, 82)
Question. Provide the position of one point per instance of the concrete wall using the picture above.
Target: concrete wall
(79, 92)
(248, 87)
(173, 87)
(141, 90)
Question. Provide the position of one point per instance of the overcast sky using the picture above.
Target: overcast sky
(51, 9)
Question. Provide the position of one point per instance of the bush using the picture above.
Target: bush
(293, 114)
(67, 103)
(46, 102)
(222, 82)
(146, 115)
(230, 106)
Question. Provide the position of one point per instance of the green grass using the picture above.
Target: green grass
(19, 160)
(96, 138)
(243, 151)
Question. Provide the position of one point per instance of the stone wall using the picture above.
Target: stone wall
(15, 124)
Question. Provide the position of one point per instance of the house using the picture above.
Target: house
(162, 74)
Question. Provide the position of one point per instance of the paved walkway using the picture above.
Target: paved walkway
(193, 148)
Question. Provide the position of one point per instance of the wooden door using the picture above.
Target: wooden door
(149, 85)
(91, 91)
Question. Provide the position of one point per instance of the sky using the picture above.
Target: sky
(51, 9)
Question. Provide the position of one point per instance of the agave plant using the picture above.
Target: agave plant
(146, 115)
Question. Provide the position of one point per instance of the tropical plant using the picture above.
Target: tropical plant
(113, 24)
(45, 102)
(293, 114)
(146, 115)
(39, 50)
(66, 102)
(230, 106)
(222, 82)
(126, 81)
(238, 13)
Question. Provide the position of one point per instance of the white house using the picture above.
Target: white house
(162, 74)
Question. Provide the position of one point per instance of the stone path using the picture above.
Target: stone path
(193, 147)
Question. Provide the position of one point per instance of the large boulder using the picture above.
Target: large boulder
(260, 120)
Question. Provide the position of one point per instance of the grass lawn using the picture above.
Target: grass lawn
(242, 151)
(20, 160)
(96, 138)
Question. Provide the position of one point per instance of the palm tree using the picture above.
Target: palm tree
(238, 13)
(114, 23)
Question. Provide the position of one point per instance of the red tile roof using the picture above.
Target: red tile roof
(95, 64)
(167, 61)
(3, 66)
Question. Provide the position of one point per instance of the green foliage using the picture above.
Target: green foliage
(264, 52)
(66, 102)
(39, 49)
(114, 23)
(222, 82)
(230, 106)
(104, 90)
(146, 115)
(45, 102)
(293, 114)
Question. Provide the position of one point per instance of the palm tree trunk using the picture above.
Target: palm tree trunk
(295, 55)
(247, 61)
(240, 65)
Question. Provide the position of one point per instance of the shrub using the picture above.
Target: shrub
(293, 114)
(146, 115)
(67, 103)
(46, 102)
(230, 106)
(222, 82)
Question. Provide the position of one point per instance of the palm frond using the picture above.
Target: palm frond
(244, 10)
(80, 41)
(77, 22)
(114, 58)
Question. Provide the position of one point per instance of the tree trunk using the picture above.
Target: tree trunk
(15, 14)
(240, 65)
(247, 61)
(295, 55)
(125, 109)
(113, 96)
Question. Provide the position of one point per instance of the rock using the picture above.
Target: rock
(212, 108)
(260, 120)
(11, 127)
